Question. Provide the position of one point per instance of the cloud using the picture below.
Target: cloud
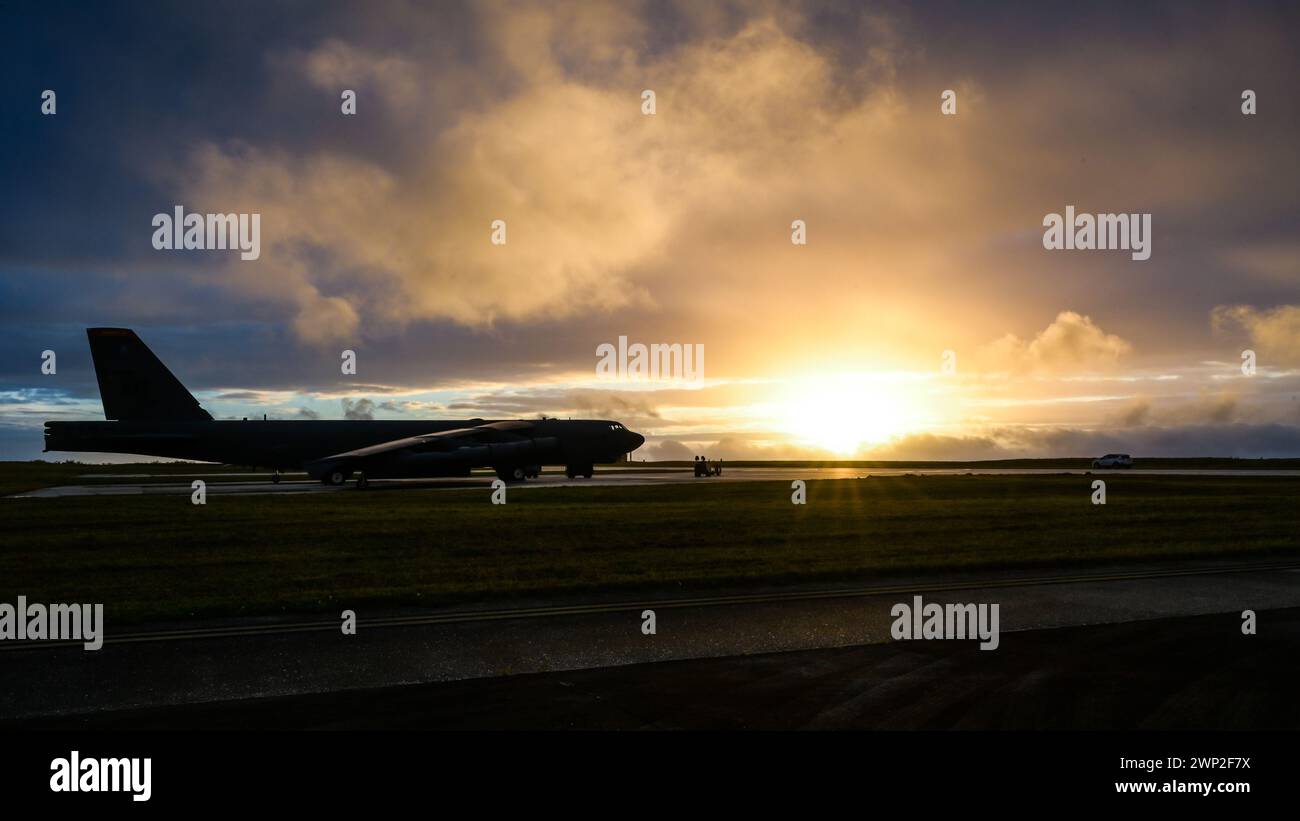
(1070, 343)
(938, 447)
(1246, 441)
(1219, 408)
(358, 409)
(591, 190)
(1274, 334)
(1274, 263)
(924, 230)
(664, 450)
(335, 65)
(614, 405)
(1136, 414)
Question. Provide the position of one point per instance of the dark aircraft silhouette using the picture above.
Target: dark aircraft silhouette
(153, 414)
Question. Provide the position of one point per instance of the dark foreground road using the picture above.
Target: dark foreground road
(1183, 673)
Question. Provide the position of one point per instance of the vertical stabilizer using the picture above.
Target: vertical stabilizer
(135, 385)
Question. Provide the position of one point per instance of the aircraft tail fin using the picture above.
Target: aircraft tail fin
(135, 385)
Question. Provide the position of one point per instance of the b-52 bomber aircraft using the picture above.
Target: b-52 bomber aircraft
(151, 413)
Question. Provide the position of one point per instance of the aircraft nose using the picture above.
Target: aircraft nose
(635, 440)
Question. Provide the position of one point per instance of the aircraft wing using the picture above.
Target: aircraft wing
(442, 441)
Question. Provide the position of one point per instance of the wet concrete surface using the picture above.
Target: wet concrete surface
(1196, 672)
(51, 682)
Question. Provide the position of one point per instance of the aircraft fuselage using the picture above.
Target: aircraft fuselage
(290, 444)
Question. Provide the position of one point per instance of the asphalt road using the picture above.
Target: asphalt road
(1188, 673)
(277, 660)
(622, 477)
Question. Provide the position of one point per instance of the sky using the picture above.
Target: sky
(922, 318)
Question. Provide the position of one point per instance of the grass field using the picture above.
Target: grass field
(162, 558)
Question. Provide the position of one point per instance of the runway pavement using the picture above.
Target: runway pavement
(182, 665)
(1185, 673)
(621, 477)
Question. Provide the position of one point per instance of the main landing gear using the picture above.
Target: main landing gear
(574, 471)
(336, 477)
(518, 473)
(275, 478)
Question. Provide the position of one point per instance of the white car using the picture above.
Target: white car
(1113, 460)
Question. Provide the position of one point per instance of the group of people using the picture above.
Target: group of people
(703, 467)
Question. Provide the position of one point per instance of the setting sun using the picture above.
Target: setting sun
(846, 412)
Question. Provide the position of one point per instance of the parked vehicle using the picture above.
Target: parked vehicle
(1113, 460)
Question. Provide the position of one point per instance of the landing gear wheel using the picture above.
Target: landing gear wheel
(518, 474)
(335, 477)
(275, 478)
(362, 481)
(587, 474)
